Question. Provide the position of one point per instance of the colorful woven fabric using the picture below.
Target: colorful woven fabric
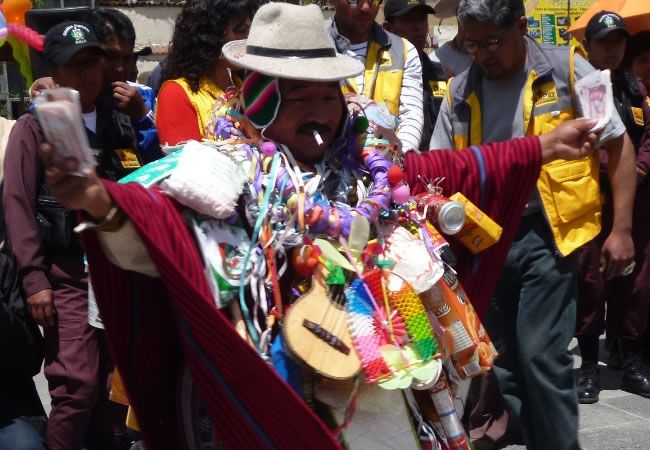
(154, 324)
(261, 99)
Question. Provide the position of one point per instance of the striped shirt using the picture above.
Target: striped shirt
(411, 113)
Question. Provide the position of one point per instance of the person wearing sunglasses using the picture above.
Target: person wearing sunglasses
(393, 72)
(517, 87)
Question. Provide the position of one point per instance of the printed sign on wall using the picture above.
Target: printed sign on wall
(548, 20)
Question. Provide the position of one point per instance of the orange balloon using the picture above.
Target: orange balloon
(14, 10)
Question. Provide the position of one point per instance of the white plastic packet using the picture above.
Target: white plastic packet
(595, 97)
(59, 113)
(206, 180)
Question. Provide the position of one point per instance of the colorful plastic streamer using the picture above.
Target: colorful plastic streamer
(14, 31)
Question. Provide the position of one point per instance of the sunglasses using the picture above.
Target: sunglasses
(490, 44)
(357, 3)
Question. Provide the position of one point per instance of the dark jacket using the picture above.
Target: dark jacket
(628, 98)
(39, 267)
(21, 348)
(633, 106)
(434, 88)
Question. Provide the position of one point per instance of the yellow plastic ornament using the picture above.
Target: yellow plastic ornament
(404, 376)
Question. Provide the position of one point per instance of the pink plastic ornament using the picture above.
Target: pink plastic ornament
(27, 35)
(268, 148)
(401, 194)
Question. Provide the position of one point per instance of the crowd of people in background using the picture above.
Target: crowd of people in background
(562, 269)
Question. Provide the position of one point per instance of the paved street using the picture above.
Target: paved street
(619, 421)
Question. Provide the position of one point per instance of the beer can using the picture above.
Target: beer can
(444, 404)
(447, 214)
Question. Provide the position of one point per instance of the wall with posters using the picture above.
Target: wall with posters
(548, 20)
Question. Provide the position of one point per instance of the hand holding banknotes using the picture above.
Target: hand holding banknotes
(76, 191)
(570, 140)
(617, 255)
(595, 96)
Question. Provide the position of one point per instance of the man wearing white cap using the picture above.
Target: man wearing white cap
(148, 270)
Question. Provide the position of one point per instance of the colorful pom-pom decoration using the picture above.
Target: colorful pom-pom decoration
(361, 124)
(401, 194)
(268, 148)
(395, 175)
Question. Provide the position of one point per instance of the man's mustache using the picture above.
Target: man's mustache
(310, 127)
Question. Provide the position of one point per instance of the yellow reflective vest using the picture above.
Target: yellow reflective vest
(569, 190)
(203, 100)
(385, 61)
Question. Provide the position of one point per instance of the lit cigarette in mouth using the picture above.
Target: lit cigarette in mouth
(319, 140)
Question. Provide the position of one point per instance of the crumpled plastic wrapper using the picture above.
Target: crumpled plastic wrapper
(206, 180)
(413, 262)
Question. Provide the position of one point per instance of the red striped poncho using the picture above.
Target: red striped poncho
(153, 324)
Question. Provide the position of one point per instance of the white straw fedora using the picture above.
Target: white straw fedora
(290, 41)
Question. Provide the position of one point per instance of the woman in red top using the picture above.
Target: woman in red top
(196, 73)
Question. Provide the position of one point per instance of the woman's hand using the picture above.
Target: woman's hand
(85, 192)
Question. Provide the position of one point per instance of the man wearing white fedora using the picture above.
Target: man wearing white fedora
(149, 275)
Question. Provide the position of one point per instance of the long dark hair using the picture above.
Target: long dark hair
(199, 35)
(111, 25)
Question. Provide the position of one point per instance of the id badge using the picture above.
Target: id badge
(128, 158)
(637, 113)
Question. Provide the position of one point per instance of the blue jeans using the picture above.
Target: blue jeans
(18, 434)
(531, 320)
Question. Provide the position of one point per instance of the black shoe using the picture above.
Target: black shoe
(588, 382)
(635, 379)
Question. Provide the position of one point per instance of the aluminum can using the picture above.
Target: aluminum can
(447, 215)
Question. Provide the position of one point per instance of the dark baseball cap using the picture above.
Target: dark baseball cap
(64, 40)
(397, 8)
(144, 51)
(603, 23)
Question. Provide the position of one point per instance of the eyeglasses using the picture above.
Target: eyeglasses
(357, 3)
(490, 44)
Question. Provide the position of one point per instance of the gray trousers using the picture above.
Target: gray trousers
(531, 320)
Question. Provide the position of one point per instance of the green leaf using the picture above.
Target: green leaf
(330, 253)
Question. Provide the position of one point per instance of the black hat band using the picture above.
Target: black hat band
(286, 53)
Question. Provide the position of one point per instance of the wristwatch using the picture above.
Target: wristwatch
(112, 222)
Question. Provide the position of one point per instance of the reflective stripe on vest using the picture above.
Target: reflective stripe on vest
(569, 190)
(383, 74)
